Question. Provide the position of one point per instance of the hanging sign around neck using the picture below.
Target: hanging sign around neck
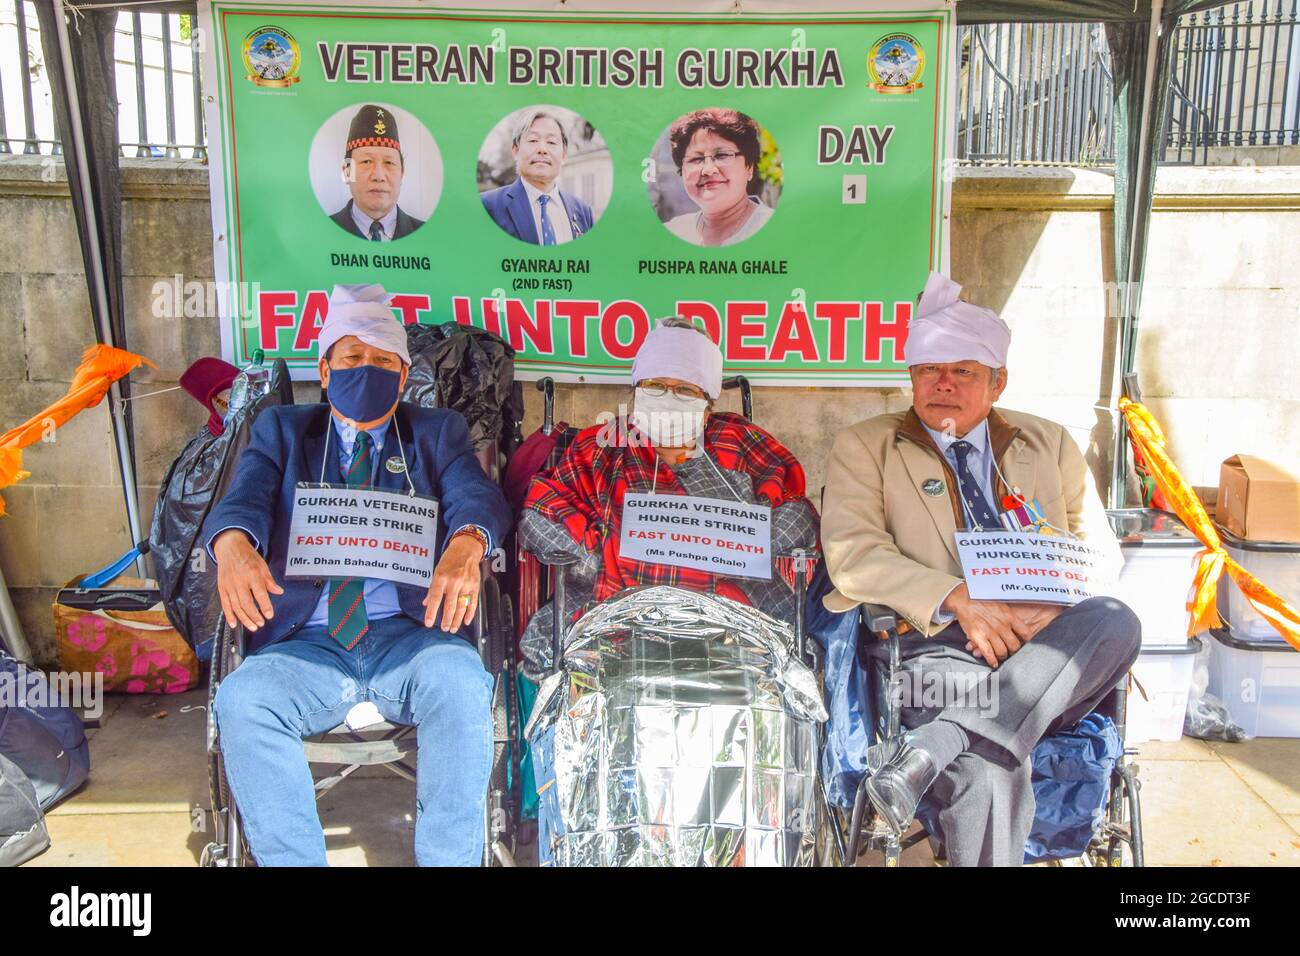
(336, 531)
(729, 538)
(1026, 566)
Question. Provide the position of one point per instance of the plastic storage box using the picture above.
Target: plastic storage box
(1159, 566)
(1277, 564)
(1258, 681)
(1165, 674)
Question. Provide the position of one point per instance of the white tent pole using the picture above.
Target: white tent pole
(98, 284)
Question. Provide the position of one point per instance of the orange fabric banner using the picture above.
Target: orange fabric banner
(1149, 438)
(100, 367)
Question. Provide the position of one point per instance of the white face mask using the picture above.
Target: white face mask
(668, 421)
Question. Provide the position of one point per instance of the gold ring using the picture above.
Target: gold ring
(464, 599)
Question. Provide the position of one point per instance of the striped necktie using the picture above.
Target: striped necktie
(978, 510)
(347, 605)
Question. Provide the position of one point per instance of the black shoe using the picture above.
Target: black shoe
(897, 787)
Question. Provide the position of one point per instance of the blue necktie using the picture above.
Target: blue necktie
(977, 509)
(548, 231)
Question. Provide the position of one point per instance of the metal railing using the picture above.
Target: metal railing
(1035, 93)
(1029, 92)
(1041, 93)
(160, 111)
(1237, 69)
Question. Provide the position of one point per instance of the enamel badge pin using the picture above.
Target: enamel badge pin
(932, 487)
(395, 465)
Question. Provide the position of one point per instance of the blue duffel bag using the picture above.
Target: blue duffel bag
(40, 733)
(1071, 780)
(1071, 783)
(22, 825)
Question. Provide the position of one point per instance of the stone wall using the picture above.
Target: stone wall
(1217, 352)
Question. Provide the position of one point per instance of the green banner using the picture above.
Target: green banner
(565, 178)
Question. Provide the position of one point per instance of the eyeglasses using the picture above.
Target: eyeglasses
(684, 393)
(719, 158)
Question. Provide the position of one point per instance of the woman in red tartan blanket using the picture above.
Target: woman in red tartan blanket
(672, 443)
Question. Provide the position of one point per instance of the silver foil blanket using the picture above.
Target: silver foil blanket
(681, 731)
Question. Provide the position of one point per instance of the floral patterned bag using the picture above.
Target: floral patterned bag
(137, 651)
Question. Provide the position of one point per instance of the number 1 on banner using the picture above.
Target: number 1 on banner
(854, 192)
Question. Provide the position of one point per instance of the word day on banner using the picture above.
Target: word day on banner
(563, 178)
(706, 534)
(1023, 566)
(341, 532)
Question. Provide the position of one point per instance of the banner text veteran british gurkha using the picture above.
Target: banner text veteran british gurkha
(620, 67)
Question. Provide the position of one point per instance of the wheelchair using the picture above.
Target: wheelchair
(1116, 842)
(361, 742)
(538, 581)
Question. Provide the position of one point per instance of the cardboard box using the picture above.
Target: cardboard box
(1258, 500)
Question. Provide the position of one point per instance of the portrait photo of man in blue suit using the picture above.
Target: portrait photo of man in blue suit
(534, 208)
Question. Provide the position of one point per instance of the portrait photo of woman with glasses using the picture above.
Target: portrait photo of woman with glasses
(728, 177)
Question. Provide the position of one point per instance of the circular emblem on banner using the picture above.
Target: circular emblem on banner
(895, 64)
(932, 487)
(395, 465)
(271, 56)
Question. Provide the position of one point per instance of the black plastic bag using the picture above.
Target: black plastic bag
(469, 370)
(197, 479)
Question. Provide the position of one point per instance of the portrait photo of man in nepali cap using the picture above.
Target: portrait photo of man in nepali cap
(373, 168)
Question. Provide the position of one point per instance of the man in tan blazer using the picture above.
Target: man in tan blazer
(898, 489)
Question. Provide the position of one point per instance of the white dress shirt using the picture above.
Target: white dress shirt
(386, 225)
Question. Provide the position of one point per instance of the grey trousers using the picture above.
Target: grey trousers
(985, 797)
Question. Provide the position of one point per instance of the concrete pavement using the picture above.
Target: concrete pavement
(1203, 804)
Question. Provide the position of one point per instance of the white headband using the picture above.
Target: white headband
(672, 352)
(945, 329)
(363, 311)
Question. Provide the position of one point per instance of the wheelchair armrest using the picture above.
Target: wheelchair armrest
(879, 618)
(486, 574)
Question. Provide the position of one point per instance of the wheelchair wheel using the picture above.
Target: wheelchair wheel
(228, 848)
(496, 634)
(1119, 844)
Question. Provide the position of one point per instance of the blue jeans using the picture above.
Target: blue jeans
(306, 684)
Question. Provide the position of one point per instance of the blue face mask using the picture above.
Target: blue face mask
(363, 393)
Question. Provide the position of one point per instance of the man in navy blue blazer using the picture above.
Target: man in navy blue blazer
(534, 208)
(321, 646)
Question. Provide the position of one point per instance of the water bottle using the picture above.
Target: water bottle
(253, 381)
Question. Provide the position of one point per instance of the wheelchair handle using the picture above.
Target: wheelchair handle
(746, 394)
(547, 387)
(879, 618)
